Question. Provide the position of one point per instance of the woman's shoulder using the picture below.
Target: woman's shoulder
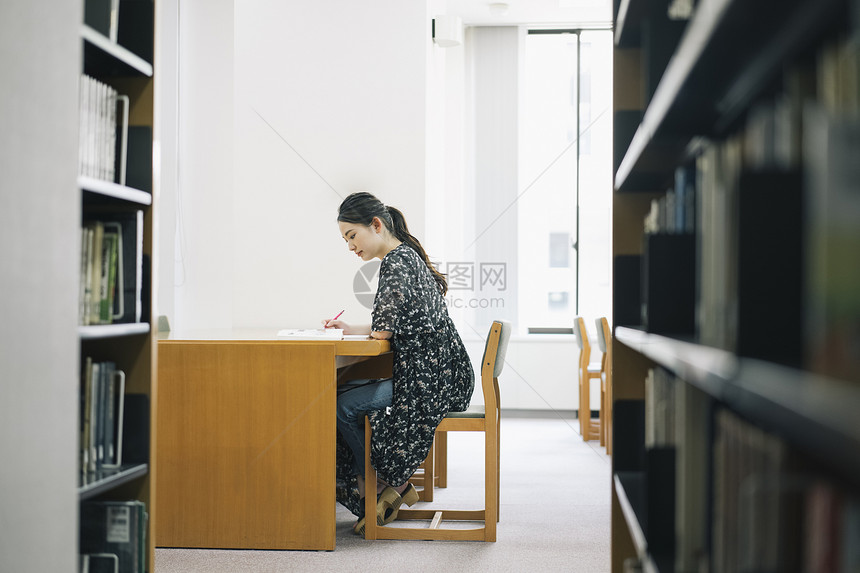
(402, 254)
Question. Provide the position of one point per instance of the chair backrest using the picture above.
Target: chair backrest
(582, 341)
(604, 338)
(492, 363)
(495, 347)
(578, 332)
(601, 335)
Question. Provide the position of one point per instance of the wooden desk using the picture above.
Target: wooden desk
(246, 437)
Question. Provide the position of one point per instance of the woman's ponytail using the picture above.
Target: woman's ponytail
(401, 231)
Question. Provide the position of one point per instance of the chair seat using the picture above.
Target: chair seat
(476, 411)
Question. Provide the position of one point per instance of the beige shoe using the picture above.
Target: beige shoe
(390, 501)
(387, 504)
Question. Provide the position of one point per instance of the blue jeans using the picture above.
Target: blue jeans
(355, 400)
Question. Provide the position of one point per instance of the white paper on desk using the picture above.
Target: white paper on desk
(311, 333)
(356, 337)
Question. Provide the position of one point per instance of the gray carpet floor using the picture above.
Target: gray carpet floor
(554, 515)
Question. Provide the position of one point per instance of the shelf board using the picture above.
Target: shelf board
(706, 367)
(114, 190)
(94, 484)
(112, 330)
(627, 23)
(630, 491)
(124, 61)
(814, 413)
(722, 64)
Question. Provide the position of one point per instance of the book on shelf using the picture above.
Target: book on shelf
(117, 528)
(112, 269)
(102, 415)
(692, 414)
(757, 499)
(97, 132)
(832, 328)
(136, 424)
(719, 167)
(659, 408)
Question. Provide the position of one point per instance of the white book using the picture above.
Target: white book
(312, 333)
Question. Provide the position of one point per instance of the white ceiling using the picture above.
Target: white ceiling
(538, 13)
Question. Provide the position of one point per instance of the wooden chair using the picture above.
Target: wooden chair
(590, 429)
(604, 342)
(476, 419)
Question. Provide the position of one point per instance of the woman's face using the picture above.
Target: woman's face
(364, 241)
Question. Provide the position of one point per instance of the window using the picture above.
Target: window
(565, 178)
(537, 178)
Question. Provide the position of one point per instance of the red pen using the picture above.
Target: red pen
(335, 318)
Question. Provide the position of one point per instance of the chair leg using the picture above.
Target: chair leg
(369, 487)
(602, 423)
(441, 468)
(498, 463)
(585, 407)
(491, 482)
(427, 492)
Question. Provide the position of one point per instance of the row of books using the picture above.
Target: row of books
(675, 212)
(113, 537)
(771, 510)
(768, 516)
(778, 236)
(676, 416)
(98, 122)
(102, 410)
(110, 289)
(831, 144)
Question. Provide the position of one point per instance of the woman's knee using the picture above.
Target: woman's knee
(347, 412)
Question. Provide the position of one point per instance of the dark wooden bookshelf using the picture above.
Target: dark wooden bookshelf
(723, 62)
(756, 394)
(125, 65)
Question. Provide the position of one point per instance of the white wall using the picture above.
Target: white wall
(40, 51)
(285, 109)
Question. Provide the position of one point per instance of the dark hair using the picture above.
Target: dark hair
(361, 208)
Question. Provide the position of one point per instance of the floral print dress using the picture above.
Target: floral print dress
(432, 373)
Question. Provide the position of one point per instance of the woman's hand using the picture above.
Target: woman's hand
(347, 328)
(336, 324)
(380, 334)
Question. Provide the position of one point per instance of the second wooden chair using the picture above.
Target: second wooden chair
(604, 342)
(589, 428)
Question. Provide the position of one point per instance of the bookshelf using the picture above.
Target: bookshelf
(115, 327)
(736, 442)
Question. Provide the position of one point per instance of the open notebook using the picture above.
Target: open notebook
(319, 334)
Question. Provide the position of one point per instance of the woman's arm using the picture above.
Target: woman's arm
(380, 334)
(347, 328)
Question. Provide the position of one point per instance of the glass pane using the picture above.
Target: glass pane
(595, 175)
(546, 216)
